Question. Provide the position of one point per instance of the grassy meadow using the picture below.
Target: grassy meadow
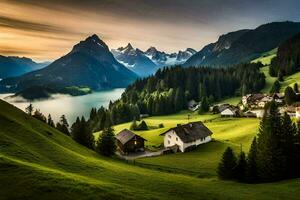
(39, 162)
(288, 80)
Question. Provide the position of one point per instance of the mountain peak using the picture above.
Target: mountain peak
(129, 46)
(152, 49)
(94, 37)
(91, 45)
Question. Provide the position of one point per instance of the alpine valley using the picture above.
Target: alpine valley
(150, 100)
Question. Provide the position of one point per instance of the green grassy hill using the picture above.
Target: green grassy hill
(232, 132)
(288, 80)
(38, 162)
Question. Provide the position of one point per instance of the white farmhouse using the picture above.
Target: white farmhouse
(187, 136)
(229, 112)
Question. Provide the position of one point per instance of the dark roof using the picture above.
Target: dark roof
(191, 131)
(126, 135)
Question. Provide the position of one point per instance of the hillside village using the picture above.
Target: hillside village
(186, 137)
(223, 123)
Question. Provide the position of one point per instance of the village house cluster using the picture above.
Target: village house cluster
(187, 137)
(252, 105)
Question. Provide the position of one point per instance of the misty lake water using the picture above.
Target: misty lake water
(69, 105)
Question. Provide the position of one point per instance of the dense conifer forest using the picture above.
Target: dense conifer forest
(287, 60)
(170, 89)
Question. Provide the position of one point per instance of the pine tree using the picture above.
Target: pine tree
(287, 143)
(271, 162)
(202, 90)
(82, 133)
(87, 137)
(29, 109)
(76, 130)
(241, 167)
(133, 125)
(142, 126)
(63, 125)
(106, 144)
(50, 122)
(280, 76)
(275, 88)
(108, 121)
(289, 96)
(252, 174)
(297, 150)
(204, 106)
(179, 99)
(296, 89)
(39, 115)
(227, 165)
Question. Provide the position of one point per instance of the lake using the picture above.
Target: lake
(69, 105)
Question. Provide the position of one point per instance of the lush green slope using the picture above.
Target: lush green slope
(38, 162)
(288, 80)
(232, 132)
(266, 60)
(244, 47)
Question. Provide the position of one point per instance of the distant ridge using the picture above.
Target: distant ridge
(15, 66)
(90, 63)
(244, 45)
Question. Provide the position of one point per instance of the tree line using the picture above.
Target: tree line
(274, 154)
(170, 89)
(287, 61)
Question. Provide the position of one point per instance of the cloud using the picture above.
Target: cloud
(53, 27)
(13, 23)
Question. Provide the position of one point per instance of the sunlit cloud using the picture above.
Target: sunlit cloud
(45, 30)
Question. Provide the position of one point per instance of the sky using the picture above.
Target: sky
(46, 30)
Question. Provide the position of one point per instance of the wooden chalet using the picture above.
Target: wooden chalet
(128, 142)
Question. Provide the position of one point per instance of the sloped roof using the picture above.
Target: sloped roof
(126, 135)
(232, 109)
(191, 131)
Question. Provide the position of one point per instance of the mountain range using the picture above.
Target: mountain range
(135, 60)
(90, 63)
(16, 66)
(146, 63)
(243, 45)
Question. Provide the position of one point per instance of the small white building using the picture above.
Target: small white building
(187, 136)
(298, 112)
(258, 112)
(193, 105)
(229, 112)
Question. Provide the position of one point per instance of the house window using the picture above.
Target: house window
(169, 136)
(176, 138)
(168, 141)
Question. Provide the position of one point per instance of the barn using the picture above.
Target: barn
(128, 142)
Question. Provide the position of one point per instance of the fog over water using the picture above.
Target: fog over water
(70, 106)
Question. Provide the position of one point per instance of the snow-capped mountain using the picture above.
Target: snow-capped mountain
(146, 63)
(135, 60)
(162, 59)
